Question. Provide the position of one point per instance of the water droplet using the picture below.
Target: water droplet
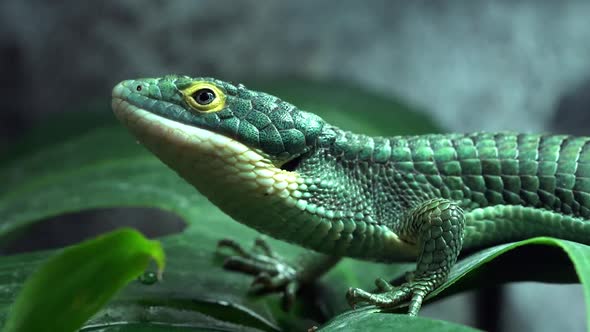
(148, 278)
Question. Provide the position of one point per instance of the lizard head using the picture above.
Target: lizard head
(232, 144)
(263, 123)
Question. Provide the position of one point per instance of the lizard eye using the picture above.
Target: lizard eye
(204, 96)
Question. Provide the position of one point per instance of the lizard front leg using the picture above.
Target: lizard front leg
(437, 227)
(272, 273)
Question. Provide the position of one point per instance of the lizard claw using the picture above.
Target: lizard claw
(390, 296)
(271, 273)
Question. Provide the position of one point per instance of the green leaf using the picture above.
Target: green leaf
(371, 319)
(546, 259)
(580, 256)
(73, 285)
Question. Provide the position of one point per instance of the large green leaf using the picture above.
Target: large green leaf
(72, 286)
(371, 319)
(94, 174)
(105, 168)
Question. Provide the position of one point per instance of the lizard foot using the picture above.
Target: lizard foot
(271, 273)
(389, 296)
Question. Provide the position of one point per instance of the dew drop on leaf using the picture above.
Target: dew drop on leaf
(148, 278)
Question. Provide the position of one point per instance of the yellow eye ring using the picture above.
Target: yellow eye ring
(204, 97)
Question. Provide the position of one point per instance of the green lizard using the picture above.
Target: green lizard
(289, 174)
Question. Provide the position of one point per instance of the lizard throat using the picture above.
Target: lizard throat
(218, 166)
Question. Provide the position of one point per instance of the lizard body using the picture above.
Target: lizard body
(293, 176)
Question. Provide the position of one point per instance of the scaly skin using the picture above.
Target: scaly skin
(291, 175)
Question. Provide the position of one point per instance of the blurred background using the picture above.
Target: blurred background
(519, 65)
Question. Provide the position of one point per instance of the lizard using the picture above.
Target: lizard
(291, 175)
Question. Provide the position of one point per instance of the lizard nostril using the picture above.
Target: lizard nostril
(138, 88)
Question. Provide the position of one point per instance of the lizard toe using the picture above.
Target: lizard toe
(391, 297)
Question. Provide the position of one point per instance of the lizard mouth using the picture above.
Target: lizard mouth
(206, 159)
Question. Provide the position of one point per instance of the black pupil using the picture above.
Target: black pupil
(204, 96)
